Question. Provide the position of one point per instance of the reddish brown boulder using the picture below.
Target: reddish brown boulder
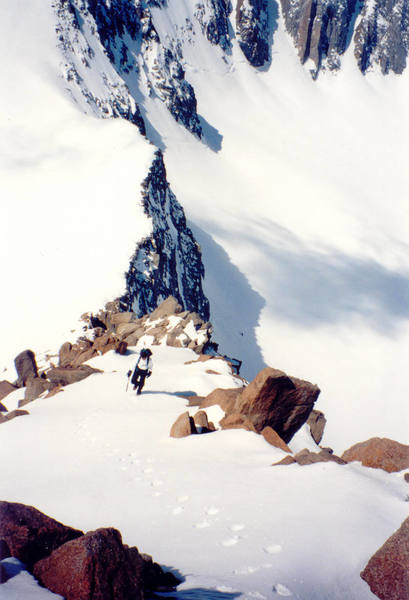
(225, 398)
(122, 317)
(237, 421)
(6, 388)
(379, 453)
(316, 422)
(29, 534)
(26, 367)
(274, 439)
(274, 399)
(95, 566)
(387, 572)
(66, 375)
(12, 415)
(183, 426)
(306, 457)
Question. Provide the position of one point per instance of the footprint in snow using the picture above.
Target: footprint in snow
(212, 510)
(230, 542)
(256, 595)
(237, 527)
(202, 525)
(273, 549)
(281, 590)
(246, 571)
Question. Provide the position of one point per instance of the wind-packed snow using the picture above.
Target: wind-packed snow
(210, 506)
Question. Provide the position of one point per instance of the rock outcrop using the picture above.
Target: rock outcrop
(95, 566)
(320, 29)
(26, 367)
(387, 572)
(213, 16)
(276, 400)
(29, 534)
(169, 261)
(253, 30)
(272, 399)
(274, 439)
(120, 44)
(379, 453)
(382, 36)
(92, 566)
(306, 457)
(316, 422)
(8, 416)
(6, 388)
(67, 375)
(183, 426)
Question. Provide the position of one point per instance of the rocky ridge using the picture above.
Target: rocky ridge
(116, 55)
(169, 261)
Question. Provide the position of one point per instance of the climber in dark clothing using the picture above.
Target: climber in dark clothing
(143, 369)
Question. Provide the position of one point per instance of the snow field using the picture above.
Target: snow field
(210, 506)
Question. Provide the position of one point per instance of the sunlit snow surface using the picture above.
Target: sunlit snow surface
(299, 202)
(209, 506)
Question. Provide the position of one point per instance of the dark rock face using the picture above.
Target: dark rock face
(387, 572)
(213, 16)
(253, 30)
(169, 262)
(95, 566)
(382, 36)
(379, 453)
(29, 534)
(26, 367)
(320, 29)
(276, 400)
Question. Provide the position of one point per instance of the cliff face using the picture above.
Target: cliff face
(213, 16)
(113, 55)
(320, 29)
(382, 36)
(168, 262)
(253, 30)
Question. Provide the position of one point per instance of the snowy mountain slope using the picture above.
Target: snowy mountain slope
(209, 506)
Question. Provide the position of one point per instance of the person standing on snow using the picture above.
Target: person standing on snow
(143, 369)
